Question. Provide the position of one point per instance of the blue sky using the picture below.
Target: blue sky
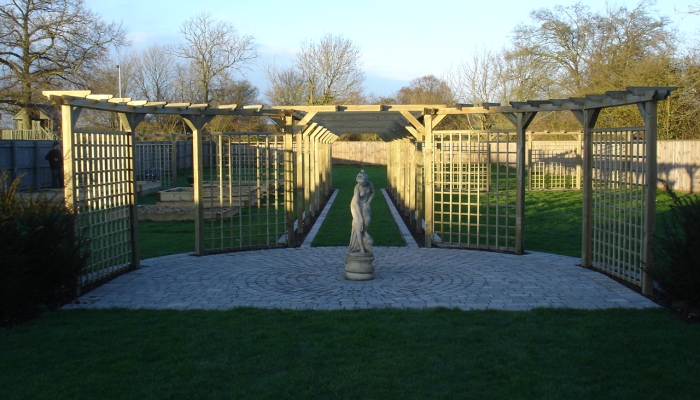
(399, 39)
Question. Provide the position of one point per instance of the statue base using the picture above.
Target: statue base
(359, 266)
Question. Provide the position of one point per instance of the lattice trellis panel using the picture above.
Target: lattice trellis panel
(244, 192)
(475, 183)
(101, 165)
(555, 164)
(154, 163)
(619, 197)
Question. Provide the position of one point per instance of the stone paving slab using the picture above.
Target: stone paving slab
(313, 278)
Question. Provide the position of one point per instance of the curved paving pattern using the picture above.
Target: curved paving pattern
(313, 278)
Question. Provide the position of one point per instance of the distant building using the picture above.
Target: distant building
(45, 121)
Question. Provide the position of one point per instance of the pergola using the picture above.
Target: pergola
(466, 187)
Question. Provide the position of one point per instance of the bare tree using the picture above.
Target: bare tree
(285, 87)
(230, 91)
(155, 74)
(561, 37)
(627, 42)
(523, 77)
(211, 49)
(42, 41)
(104, 78)
(478, 81)
(693, 9)
(377, 99)
(331, 70)
(185, 87)
(475, 81)
(425, 90)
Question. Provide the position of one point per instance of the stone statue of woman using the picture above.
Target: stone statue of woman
(360, 240)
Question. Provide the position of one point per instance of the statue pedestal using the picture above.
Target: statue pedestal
(359, 266)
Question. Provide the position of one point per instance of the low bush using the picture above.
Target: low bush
(677, 265)
(41, 256)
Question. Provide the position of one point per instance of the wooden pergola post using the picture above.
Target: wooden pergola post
(173, 160)
(308, 171)
(429, 165)
(301, 144)
(289, 177)
(587, 118)
(420, 186)
(329, 163)
(521, 120)
(649, 114)
(196, 124)
(579, 164)
(69, 115)
(316, 171)
(411, 183)
(129, 122)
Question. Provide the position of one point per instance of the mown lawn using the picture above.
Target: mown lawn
(377, 354)
(336, 229)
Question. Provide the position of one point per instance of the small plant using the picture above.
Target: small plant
(41, 256)
(677, 266)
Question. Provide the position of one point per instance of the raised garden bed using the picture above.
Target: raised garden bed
(144, 188)
(178, 213)
(181, 196)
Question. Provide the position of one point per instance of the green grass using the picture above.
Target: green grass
(336, 229)
(377, 354)
(162, 238)
(552, 220)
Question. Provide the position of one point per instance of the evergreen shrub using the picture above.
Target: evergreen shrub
(677, 265)
(41, 256)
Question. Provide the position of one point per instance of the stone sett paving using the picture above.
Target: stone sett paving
(405, 277)
(313, 278)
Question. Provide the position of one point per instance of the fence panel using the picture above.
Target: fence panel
(102, 167)
(679, 161)
(367, 153)
(244, 180)
(26, 157)
(619, 198)
(154, 163)
(554, 164)
(679, 164)
(474, 189)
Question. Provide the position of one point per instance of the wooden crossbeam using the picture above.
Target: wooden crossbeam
(386, 120)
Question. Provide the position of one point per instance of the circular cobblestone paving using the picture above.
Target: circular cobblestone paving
(313, 278)
(437, 283)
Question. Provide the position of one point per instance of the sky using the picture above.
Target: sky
(399, 40)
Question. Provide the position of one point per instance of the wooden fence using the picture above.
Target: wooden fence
(368, 153)
(26, 157)
(678, 160)
(679, 164)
